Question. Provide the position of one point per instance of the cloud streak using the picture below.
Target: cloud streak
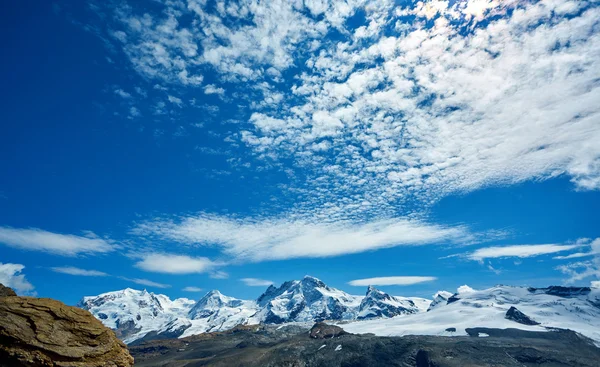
(60, 244)
(521, 251)
(397, 280)
(254, 282)
(77, 271)
(260, 240)
(175, 264)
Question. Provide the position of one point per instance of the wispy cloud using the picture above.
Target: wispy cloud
(145, 282)
(175, 264)
(218, 274)
(10, 276)
(121, 93)
(397, 280)
(258, 240)
(254, 282)
(77, 271)
(192, 289)
(521, 251)
(59, 244)
(580, 270)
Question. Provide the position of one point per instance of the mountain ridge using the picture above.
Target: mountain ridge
(136, 314)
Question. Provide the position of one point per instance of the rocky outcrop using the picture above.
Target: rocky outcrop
(45, 332)
(6, 292)
(321, 330)
(517, 316)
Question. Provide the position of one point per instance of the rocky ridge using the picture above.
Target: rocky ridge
(46, 332)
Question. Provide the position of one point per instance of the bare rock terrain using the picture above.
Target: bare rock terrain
(46, 332)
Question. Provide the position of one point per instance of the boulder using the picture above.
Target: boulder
(321, 330)
(46, 332)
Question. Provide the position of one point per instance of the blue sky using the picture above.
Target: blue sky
(175, 144)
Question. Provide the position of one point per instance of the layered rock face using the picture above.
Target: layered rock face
(45, 332)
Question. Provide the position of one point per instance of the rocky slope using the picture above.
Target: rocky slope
(45, 332)
(293, 346)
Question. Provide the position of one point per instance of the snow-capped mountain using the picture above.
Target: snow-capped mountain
(577, 309)
(308, 299)
(216, 312)
(380, 304)
(140, 314)
(133, 314)
(440, 298)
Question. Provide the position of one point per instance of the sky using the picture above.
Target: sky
(181, 146)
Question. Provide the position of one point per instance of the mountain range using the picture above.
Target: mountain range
(137, 314)
(141, 315)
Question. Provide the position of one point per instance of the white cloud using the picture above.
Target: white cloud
(212, 89)
(464, 289)
(595, 284)
(77, 271)
(218, 274)
(400, 280)
(192, 289)
(10, 276)
(269, 239)
(59, 244)
(580, 270)
(175, 264)
(145, 282)
(254, 282)
(453, 108)
(521, 251)
(121, 93)
(175, 100)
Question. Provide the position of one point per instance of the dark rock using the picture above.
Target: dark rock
(274, 346)
(321, 330)
(45, 332)
(517, 316)
(451, 329)
(561, 291)
(422, 359)
(6, 291)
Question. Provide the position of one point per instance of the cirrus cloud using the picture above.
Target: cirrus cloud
(56, 243)
(396, 280)
(77, 271)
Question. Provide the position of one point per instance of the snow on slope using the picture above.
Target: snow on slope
(308, 299)
(216, 312)
(380, 304)
(133, 314)
(551, 307)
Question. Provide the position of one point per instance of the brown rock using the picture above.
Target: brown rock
(6, 292)
(46, 332)
(321, 330)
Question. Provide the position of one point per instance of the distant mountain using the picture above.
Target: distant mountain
(502, 307)
(139, 314)
(439, 299)
(308, 299)
(133, 314)
(380, 304)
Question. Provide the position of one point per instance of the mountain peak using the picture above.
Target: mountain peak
(312, 282)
